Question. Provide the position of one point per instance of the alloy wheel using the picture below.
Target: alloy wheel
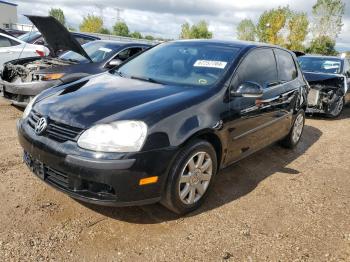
(195, 178)
(298, 128)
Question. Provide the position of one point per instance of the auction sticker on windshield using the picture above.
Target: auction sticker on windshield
(210, 64)
(106, 50)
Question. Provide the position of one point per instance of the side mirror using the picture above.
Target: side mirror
(114, 63)
(249, 89)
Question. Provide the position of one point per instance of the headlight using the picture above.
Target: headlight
(29, 107)
(48, 77)
(120, 136)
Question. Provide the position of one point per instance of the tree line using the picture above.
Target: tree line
(94, 24)
(290, 29)
(279, 26)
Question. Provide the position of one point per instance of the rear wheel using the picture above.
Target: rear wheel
(296, 132)
(191, 177)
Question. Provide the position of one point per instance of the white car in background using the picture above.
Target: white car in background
(12, 48)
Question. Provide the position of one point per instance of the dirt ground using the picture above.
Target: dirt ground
(277, 205)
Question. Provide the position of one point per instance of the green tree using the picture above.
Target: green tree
(121, 29)
(58, 14)
(197, 31)
(328, 18)
(105, 31)
(91, 24)
(136, 35)
(323, 45)
(149, 37)
(246, 30)
(298, 26)
(271, 23)
(185, 31)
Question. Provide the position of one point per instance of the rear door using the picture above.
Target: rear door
(256, 122)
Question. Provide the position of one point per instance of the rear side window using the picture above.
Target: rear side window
(5, 42)
(259, 66)
(286, 66)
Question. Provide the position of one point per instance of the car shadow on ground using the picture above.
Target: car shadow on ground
(231, 183)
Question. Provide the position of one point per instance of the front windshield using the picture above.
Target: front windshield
(97, 51)
(183, 63)
(29, 37)
(320, 64)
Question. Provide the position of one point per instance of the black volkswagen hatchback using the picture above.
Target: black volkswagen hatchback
(159, 127)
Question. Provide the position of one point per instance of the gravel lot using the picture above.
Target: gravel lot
(277, 205)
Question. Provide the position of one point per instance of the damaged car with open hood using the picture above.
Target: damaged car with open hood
(329, 80)
(24, 78)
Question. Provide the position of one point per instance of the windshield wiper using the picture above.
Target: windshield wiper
(147, 79)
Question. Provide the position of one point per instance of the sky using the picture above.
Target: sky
(163, 18)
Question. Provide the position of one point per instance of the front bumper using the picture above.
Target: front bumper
(104, 179)
(20, 94)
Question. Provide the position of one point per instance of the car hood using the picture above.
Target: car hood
(106, 98)
(56, 35)
(319, 77)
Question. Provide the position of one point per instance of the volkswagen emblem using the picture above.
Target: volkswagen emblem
(40, 126)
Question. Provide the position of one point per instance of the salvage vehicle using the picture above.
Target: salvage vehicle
(329, 80)
(12, 48)
(22, 79)
(159, 127)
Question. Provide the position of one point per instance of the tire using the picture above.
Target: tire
(296, 132)
(188, 185)
(336, 112)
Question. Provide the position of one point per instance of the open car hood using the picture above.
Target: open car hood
(56, 35)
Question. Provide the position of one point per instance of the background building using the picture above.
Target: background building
(8, 15)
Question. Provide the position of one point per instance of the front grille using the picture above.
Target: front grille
(56, 131)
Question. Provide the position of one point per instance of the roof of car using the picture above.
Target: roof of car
(236, 43)
(85, 35)
(121, 43)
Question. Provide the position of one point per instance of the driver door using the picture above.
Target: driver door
(254, 121)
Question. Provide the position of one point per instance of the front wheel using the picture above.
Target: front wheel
(338, 109)
(293, 138)
(190, 177)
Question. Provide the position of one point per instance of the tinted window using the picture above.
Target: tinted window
(127, 53)
(259, 66)
(320, 64)
(286, 66)
(5, 42)
(183, 63)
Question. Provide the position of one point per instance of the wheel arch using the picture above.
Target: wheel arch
(211, 137)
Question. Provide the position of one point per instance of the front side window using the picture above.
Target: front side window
(286, 66)
(182, 63)
(320, 64)
(259, 67)
(127, 53)
(5, 42)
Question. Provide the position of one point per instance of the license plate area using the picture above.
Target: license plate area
(36, 166)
